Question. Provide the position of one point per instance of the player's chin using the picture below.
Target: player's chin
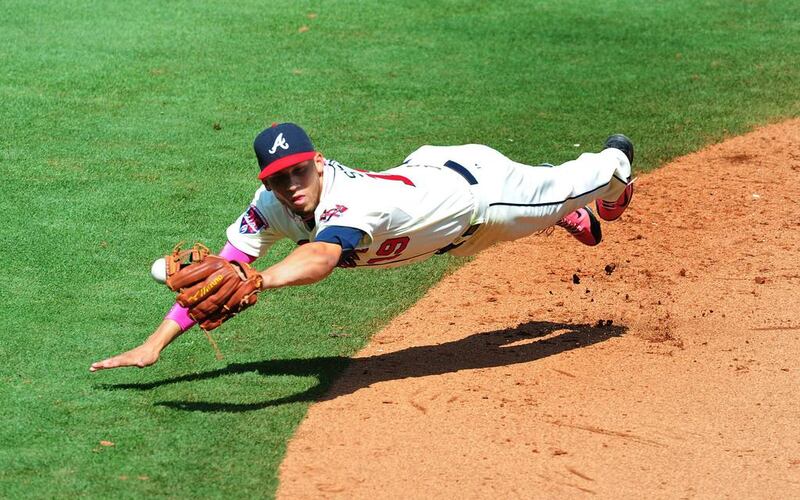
(302, 211)
(292, 205)
(304, 207)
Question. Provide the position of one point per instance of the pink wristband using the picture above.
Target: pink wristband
(180, 314)
(230, 252)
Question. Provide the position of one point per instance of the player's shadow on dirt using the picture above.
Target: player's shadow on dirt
(527, 342)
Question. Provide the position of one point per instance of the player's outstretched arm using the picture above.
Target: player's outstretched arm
(147, 353)
(307, 264)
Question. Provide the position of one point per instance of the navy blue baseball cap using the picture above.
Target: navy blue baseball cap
(281, 146)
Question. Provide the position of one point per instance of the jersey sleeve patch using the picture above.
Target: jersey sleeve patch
(329, 214)
(252, 221)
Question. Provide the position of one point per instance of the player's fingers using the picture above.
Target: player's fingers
(114, 362)
(125, 359)
(102, 365)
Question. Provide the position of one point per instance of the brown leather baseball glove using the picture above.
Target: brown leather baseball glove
(212, 288)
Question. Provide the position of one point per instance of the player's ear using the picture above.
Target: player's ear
(319, 162)
(266, 184)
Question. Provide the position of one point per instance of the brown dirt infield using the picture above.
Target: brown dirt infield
(662, 363)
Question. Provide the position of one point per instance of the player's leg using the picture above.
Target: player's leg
(573, 184)
(582, 223)
(531, 198)
(612, 209)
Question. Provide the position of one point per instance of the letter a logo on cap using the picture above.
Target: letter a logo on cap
(280, 142)
(281, 146)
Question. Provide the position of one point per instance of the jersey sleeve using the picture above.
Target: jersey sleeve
(353, 216)
(346, 237)
(251, 232)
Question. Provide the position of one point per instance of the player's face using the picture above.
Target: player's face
(299, 187)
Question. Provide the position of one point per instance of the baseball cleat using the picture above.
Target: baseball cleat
(583, 225)
(621, 142)
(612, 210)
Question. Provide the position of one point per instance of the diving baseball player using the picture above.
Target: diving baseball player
(441, 199)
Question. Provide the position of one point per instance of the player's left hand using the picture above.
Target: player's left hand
(213, 288)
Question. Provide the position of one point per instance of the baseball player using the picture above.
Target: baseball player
(441, 199)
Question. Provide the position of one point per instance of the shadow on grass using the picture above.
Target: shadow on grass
(527, 342)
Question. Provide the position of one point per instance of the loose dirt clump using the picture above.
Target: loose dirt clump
(672, 374)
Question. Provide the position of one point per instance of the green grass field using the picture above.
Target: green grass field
(127, 126)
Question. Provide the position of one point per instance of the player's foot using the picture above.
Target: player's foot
(612, 210)
(621, 142)
(583, 225)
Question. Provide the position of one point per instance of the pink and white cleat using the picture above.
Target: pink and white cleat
(612, 210)
(583, 225)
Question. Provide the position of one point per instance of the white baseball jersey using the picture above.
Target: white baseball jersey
(458, 198)
(407, 213)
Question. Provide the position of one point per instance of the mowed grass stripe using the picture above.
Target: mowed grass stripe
(128, 126)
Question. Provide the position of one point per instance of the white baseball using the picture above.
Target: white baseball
(159, 270)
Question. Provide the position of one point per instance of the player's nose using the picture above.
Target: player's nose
(295, 183)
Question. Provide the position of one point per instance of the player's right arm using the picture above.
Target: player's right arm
(306, 264)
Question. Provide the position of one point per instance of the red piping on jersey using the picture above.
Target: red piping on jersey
(389, 177)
